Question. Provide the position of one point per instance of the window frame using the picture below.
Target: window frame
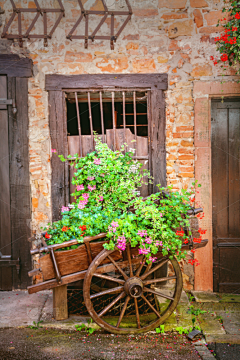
(58, 85)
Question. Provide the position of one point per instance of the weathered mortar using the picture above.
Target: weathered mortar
(164, 36)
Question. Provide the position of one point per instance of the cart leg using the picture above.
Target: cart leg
(60, 308)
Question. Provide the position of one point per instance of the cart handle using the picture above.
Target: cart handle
(66, 244)
(194, 211)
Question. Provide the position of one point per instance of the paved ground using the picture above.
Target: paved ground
(52, 344)
(220, 324)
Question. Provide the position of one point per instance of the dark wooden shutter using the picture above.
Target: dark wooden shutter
(158, 121)
(19, 180)
(5, 213)
(58, 133)
(226, 194)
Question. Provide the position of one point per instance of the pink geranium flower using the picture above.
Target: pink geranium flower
(100, 198)
(97, 161)
(53, 150)
(80, 187)
(65, 209)
(91, 188)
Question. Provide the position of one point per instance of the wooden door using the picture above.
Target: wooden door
(15, 211)
(226, 194)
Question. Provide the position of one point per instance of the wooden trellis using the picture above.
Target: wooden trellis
(106, 12)
(39, 11)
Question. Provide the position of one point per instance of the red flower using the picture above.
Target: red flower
(82, 227)
(47, 236)
(180, 233)
(234, 28)
(185, 241)
(237, 16)
(65, 228)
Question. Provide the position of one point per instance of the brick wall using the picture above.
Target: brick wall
(164, 36)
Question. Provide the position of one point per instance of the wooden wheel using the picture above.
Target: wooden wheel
(133, 281)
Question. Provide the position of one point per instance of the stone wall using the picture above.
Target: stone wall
(164, 36)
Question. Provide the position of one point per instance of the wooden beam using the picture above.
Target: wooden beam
(14, 66)
(151, 81)
(60, 307)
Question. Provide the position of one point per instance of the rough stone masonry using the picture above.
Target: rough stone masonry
(163, 36)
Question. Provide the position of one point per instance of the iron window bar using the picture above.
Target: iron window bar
(112, 99)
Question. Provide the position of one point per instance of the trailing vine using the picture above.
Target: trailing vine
(228, 43)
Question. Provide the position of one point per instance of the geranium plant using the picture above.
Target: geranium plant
(107, 199)
(228, 43)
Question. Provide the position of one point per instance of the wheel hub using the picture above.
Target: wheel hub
(134, 287)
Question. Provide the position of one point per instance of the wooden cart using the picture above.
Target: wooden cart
(124, 279)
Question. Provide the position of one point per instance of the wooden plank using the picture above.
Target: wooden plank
(3, 91)
(233, 180)
(158, 137)
(71, 261)
(5, 223)
(13, 66)
(60, 307)
(59, 142)
(19, 180)
(152, 81)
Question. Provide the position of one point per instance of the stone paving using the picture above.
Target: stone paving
(218, 315)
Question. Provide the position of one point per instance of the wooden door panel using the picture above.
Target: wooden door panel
(226, 194)
(19, 180)
(5, 224)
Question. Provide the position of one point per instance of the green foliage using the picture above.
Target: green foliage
(35, 325)
(181, 330)
(107, 187)
(160, 330)
(84, 327)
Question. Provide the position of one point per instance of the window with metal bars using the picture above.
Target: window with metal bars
(119, 117)
(121, 108)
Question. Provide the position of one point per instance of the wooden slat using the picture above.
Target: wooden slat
(71, 261)
(90, 118)
(152, 81)
(135, 121)
(102, 117)
(19, 180)
(158, 139)
(13, 66)
(5, 223)
(233, 177)
(79, 126)
(58, 141)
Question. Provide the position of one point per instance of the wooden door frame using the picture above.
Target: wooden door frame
(17, 71)
(56, 86)
(204, 92)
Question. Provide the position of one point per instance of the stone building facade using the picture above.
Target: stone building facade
(164, 36)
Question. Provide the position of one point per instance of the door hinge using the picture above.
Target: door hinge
(9, 102)
(6, 260)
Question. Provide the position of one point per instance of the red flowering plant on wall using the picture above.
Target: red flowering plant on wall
(228, 43)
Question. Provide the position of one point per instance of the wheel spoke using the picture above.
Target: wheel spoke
(140, 267)
(118, 267)
(120, 296)
(146, 274)
(109, 291)
(150, 305)
(152, 281)
(123, 311)
(158, 293)
(129, 260)
(110, 278)
(137, 313)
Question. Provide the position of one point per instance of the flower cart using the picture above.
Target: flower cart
(125, 276)
(125, 248)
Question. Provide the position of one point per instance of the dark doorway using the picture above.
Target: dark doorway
(225, 124)
(15, 210)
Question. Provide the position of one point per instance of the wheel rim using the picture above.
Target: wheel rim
(132, 283)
